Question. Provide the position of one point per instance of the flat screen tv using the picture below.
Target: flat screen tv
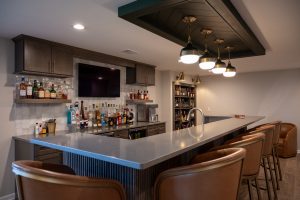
(95, 81)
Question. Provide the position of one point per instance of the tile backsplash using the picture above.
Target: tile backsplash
(26, 115)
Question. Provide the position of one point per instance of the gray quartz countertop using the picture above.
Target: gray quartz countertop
(144, 152)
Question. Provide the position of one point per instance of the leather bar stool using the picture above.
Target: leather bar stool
(268, 130)
(276, 161)
(213, 175)
(254, 146)
(36, 180)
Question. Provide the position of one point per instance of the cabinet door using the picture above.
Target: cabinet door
(150, 76)
(37, 56)
(141, 74)
(62, 61)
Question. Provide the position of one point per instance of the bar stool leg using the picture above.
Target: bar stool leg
(275, 168)
(257, 189)
(266, 178)
(278, 164)
(272, 178)
(250, 189)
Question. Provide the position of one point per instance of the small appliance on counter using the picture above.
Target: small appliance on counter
(147, 113)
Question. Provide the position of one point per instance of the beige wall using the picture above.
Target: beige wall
(275, 95)
(7, 125)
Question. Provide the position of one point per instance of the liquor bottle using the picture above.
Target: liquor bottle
(94, 116)
(142, 96)
(90, 117)
(47, 90)
(23, 89)
(52, 92)
(35, 92)
(41, 91)
(29, 89)
(138, 95)
(82, 111)
(145, 95)
(98, 116)
(59, 92)
(69, 115)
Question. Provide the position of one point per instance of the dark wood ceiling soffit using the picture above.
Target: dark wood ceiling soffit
(164, 18)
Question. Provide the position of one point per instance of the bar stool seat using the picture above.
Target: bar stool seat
(41, 181)
(214, 175)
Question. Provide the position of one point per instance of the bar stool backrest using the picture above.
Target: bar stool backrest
(36, 181)
(253, 144)
(268, 130)
(213, 175)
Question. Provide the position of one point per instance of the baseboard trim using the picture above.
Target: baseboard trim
(8, 197)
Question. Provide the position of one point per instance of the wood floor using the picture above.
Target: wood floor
(289, 186)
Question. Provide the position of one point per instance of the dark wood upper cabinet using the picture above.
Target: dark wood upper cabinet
(140, 75)
(40, 57)
(62, 57)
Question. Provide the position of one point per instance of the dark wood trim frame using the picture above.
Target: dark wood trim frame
(134, 11)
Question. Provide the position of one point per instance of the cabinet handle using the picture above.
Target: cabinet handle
(53, 66)
(49, 66)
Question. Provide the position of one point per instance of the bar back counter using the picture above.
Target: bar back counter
(137, 163)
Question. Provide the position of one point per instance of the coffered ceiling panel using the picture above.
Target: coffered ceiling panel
(164, 17)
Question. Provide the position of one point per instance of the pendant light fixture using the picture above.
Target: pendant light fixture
(230, 70)
(189, 54)
(220, 66)
(207, 61)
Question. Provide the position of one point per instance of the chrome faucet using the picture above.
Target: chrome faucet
(189, 116)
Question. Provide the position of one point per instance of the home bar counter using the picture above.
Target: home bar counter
(137, 163)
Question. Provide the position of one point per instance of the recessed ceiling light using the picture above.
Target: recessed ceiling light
(78, 26)
(129, 51)
(100, 78)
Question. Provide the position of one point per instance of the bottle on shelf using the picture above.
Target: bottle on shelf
(138, 95)
(47, 90)
(52, 92)
(29, 89)
(35, 92)
(82, 115)
(23, 88)
(142, 97)
(41, 91)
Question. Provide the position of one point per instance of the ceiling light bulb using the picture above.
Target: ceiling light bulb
(207, 65)
(78, 26)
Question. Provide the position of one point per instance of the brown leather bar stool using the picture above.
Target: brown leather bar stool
(276, 161)
(36, 180)
(254, 146)
(268, 130)
(287, 146)
(213, 175)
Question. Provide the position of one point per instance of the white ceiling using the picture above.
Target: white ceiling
(275, 23)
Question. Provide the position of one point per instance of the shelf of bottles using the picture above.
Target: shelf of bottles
(42, 90)
(184, 99)
(99, 115)
(139, 97)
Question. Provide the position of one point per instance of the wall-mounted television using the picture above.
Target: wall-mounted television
(96, 81)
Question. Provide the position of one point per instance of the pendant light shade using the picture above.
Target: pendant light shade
(207, 61)
(189, 54)
(230, 70)
(220, 66)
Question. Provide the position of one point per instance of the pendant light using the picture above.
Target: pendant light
(207, 61)
(230, 70)
(220, 66)
(189, 54)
